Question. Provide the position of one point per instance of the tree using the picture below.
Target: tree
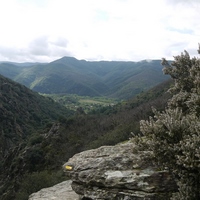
(174, 134)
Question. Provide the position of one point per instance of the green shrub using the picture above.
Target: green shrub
(174, 135)
(35, 139)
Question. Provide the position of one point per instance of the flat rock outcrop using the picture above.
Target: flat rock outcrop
(116, 172)
(61, 191)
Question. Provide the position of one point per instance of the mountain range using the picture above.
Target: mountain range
(116, 79)
(37, 134)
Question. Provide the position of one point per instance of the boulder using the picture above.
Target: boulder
(61, 191)
(117, 172)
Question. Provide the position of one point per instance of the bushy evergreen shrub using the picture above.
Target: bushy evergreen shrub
(174, 134)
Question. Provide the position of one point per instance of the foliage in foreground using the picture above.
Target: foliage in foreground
(174, 134)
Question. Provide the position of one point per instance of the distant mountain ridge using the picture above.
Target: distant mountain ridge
(118, 79)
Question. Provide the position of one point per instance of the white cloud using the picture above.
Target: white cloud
(44, 30)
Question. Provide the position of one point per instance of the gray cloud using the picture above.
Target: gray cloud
(40, 49)
(39, 46)
(45, 46)
(11, 54)
(178, 47)
(60, 42)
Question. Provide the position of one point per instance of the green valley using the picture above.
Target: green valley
(61, 108)
(39, 134)
(73, 101)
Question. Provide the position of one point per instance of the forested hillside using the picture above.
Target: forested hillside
(38, 135)
(116, 79)
(23, 114)
(24, 111)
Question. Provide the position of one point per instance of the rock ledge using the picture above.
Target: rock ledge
(61, 191)
(115, 172)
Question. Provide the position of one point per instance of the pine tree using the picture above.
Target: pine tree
(174, 134)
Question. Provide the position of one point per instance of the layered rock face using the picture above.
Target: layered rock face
(116, 172)
(61, 191)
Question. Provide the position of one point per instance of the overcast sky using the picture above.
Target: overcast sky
(130, 30)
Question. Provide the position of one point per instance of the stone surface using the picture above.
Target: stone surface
(116, 172)
(61, 191)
